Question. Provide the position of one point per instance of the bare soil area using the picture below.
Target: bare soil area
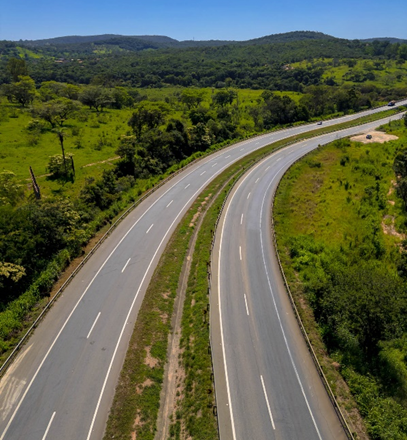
(377, 136)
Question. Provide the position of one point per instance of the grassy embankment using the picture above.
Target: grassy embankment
(137, 397)
(339, 225)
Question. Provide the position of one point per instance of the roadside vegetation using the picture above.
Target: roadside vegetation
(340, 220)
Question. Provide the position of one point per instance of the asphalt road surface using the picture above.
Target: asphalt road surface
(62, 383)
(267, 385)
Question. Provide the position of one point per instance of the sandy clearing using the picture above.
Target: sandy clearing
(377, 136)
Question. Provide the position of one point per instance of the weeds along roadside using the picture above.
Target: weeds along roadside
(136, 403)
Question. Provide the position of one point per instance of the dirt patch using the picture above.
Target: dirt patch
(166, 295)
(150, 360)
(389, 228)
(196, 215)
(111, 159)
(137, 423)
(391, 189)
(194, 218)
(145, 384)
(164, 317)
(377, 136)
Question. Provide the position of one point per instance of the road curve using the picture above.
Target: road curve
(267, 385)
(62, 382)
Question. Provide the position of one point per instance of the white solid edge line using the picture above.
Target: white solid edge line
(136, 296)
(169, 204)
(83, 294)
(93, 325)
(149, 229)
(49, 426)
(247, 308)
(124, 268)
(278, 314)
(267, 402)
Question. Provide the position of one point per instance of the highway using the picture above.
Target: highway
(62, 382)
(267, 386)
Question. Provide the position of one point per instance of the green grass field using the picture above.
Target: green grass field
(90, 141)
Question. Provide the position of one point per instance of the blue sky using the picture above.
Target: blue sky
(202, 20)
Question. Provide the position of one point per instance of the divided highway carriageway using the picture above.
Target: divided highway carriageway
(61, 384)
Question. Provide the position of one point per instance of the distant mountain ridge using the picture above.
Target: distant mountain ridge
(389, 39)
(85, 45)
(289, 43)
(161, 41)
(79, 39)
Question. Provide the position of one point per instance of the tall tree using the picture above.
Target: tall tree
(17, 68)
(22, 92)
(148, 115)
(61, 134)
(56, 111)
(96, 97)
